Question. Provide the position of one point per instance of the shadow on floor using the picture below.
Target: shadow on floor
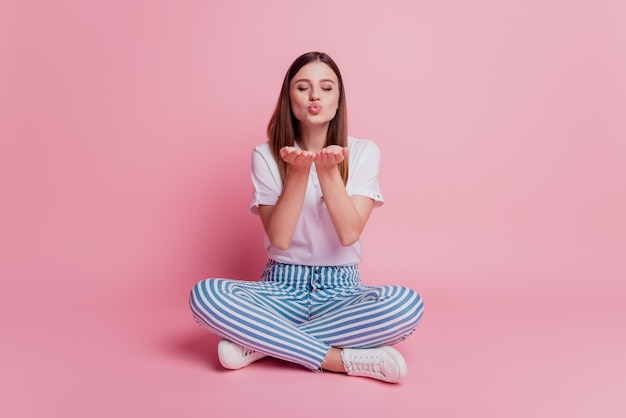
(195, 346)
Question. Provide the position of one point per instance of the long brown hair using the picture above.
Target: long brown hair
(282, 130)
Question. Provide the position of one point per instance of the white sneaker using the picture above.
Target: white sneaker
(383, 363)
(234, 356)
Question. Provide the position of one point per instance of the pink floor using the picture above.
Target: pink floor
(510, 353)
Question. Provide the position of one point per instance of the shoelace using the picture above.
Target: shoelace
(369, 364)
(248, 351)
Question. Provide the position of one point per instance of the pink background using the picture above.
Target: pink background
(126, 131)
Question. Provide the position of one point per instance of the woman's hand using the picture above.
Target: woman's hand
(280, 220)
(330, 156)
(297, 158)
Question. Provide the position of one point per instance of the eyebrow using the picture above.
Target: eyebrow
(307, 80)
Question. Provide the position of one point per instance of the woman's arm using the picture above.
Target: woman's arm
(349, 214)
(280, 220)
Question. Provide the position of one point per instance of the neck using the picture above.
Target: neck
(313, 139)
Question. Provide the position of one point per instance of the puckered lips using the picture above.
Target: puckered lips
(315, 108)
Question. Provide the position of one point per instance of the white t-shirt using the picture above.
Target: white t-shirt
(315, 242)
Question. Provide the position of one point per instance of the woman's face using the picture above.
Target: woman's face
(314, 94)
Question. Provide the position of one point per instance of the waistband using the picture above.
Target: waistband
(298, 276)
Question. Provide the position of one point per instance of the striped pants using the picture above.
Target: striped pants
(296, 313)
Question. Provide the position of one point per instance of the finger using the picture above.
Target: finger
(284, 151)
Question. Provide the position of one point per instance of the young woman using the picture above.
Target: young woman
(314, 190)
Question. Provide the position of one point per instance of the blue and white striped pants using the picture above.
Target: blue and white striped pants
(296, 313)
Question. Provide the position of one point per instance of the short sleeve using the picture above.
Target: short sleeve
(266, 182)
(364, 168)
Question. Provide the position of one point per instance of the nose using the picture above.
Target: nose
(314, 95)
